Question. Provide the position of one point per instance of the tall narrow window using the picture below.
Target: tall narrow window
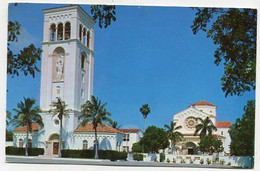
(85, 144)
(52, 32)
(80, 32)
(30, 143)
(60, 31)
(67, 31)
(82, 62)
(82, 93)
(20, 143)
(88, 38)
(84, 36)
(82, 78)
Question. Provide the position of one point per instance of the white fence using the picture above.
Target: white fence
(9, 143)
(238, 161)
(148, 157)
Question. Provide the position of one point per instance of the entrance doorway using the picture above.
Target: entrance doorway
(190, 151)
(52, 147)
(192, 148)
(55, 147)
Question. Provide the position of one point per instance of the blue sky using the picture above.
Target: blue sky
(149, 55)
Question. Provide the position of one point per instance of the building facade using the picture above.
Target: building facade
(131, 136)
(187, 120)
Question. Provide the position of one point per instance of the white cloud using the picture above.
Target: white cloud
(24, 40)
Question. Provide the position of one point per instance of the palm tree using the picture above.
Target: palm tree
(27, 113)
(205, 126)
(95, 112)
(59, 109)
(173, 134)
(8, 118)
(115, 125)
(145, 110)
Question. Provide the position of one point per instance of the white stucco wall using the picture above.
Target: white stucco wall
(133, 138)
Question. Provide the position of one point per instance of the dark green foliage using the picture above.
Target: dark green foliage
(205, 127)
(8, 135)
(21, 151)
(26, 60)
(162, 157)
(137, 147)
(210, 144)
(154, 139)
(103, 154)
(138, 157)
(234, 31)
(105, 14)
(242, 132)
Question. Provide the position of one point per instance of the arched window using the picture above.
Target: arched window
(84, 36)
(58, 89)
(58, 64)
(85, 144)
(82, 93)
(80, 32)
(30, 143)
(82, 78)
(53, 32)
(20, 143)
(60, 31)
(82, 62)
(88, 38)
(67, 31)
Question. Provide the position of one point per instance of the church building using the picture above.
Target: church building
(187, 120)
(67, 72)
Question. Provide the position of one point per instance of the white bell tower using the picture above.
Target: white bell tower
(67, 65)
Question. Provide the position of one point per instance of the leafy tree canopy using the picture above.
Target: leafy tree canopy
(137, 147)
(234, 31)
(154, 139)
(26, 60)
(242, 132)
(210, 144)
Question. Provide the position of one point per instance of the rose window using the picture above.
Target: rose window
(190, 123)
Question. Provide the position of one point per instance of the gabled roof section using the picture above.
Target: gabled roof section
(191, 108)
(35, 127)
(224, 124)
(202, 103)
(130, 130)
(105, 128)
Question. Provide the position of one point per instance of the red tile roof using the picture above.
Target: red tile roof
(104, 128)
(224, 124)
(35, 127)
(203, 102)
(130, 130)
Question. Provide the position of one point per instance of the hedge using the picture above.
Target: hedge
(20, 151)
(102, 154)
(138, 157)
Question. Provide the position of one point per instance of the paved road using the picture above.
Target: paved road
(67, 161)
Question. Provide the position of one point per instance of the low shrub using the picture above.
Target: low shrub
(208, 161)
(229, 164)
(222, 162)
(173, 160)
(138, 157)
(155, 159)
(183, 161)
(162, 157)
(20, 151)
(201, 161)
(168, 160)
(102, 154)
